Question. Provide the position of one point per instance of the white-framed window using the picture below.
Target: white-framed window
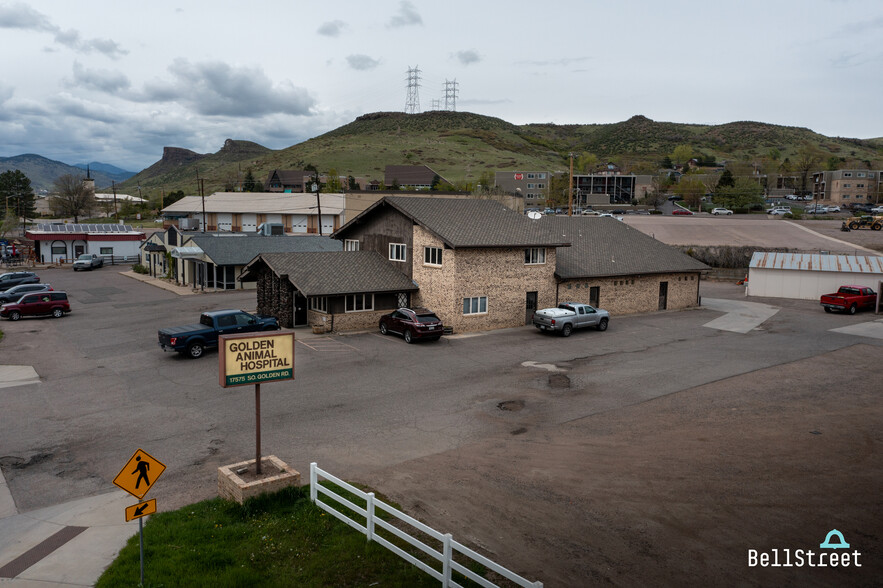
(541, 186)
(106, 250)
(319, 303)
(535, 255)
(531, 186)
(59, 250)
(847, 185)
(530, 176)
(398, 252)
(541, 176)
(432, 255)
(475, 305)
(860, 174)
(359, 302)
(350, 244)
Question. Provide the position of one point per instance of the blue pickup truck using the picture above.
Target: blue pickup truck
(193, 340)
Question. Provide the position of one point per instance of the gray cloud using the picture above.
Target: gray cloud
(331, 28)
(217, 89)
(6, 92)
(362, 62)
(23, 17)
(468, 57)
(406, 16)
(101, 80)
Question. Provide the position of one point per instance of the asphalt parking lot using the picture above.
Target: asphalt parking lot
(603, 457)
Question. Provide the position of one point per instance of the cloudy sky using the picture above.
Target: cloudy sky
(116, 81)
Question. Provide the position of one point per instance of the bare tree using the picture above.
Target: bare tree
(808, 158)
(72, 197)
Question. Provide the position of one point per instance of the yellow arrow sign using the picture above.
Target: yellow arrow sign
(142, 509)
(139, 474)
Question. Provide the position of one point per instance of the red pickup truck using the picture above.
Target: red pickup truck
(850, 299)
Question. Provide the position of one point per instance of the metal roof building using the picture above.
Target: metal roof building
(807, 276)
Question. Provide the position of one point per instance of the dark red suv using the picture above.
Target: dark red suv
(412, 324)
(40, 304)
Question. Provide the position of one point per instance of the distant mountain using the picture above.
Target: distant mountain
(461, 146)
(43, 172)
(111, 171)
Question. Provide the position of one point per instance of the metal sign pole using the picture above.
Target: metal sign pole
(141, 533)
(257, 420)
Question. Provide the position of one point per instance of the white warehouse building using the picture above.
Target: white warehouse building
(806, 276)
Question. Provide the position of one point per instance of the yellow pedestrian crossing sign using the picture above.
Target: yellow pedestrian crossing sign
(139, 474)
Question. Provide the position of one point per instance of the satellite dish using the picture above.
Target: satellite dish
(534, 215)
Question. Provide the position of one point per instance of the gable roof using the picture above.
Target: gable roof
(240, 248)
(816, 262)
(332, 273)
(464, 222)
(607, 247)
(410, 175)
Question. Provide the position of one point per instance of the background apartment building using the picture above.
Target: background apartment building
(533, 186)
(848, 186)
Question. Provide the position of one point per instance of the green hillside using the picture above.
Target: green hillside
(461, 146)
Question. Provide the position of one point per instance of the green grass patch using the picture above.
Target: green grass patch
(279, 539)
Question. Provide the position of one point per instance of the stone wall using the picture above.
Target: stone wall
(634, 294)
(275, 297)
(346, 321)
(498, 273)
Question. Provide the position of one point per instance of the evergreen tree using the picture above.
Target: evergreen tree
(726, 179)
(17, 196)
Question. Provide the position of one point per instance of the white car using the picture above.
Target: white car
(607, 214)
(721, 211)
(877, 209)
(779, 210)
(834, 208)
(817, 210)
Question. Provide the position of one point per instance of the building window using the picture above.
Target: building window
(398, 252)
(106, 250)
(860, 174)
(541, 186)
(535, 255)
(432, 255)
(475, 305)
(541, 176)
(359, 302)
(531, 176)
(859, 185)
(350, 245)
(319, 303)
(531, 186)
(846, 196)
(847, 185)
(59, 250)
(847, 174)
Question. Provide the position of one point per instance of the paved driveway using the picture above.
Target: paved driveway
(475, 434)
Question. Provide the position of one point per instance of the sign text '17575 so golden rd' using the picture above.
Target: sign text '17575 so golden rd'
(256, 358)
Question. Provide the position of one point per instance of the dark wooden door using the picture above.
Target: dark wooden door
(530, 306)
(663, 295)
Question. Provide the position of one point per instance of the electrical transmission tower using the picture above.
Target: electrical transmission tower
(412, 103)
(435, 104)
(451, 92)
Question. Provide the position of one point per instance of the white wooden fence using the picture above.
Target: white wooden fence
(444, 557)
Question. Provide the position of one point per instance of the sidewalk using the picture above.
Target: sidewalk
(69, 544)
(165, 285)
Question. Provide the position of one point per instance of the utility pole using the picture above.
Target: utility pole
(317, 188)
(570, 189)
(116, 216)
(200, 184)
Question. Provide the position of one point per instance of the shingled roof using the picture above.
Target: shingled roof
(602, 246)
(333, 273)
(239, 249)
(461, 222)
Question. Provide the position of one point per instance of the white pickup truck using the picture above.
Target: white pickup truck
(568, 316)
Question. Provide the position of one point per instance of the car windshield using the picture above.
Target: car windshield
(85, 257)
(427, 318)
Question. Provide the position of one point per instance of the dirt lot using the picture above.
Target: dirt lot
(760, 231)
(675, 491)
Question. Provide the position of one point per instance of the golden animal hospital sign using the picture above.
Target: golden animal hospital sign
(256, 358)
